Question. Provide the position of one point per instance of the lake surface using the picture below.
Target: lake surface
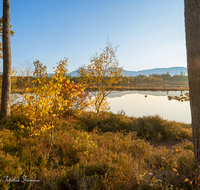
(135, 104)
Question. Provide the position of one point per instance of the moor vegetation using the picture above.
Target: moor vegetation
(54, 140)
(105, 151)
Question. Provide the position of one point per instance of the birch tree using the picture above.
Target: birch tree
(102, 76)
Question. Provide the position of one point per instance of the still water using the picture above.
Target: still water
(135, 104)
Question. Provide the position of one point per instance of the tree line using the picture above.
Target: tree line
(154, 78)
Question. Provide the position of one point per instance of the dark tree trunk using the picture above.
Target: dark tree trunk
(6, 84)
(192, 30)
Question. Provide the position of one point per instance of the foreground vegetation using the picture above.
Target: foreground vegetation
(109, 151)
(56, 144)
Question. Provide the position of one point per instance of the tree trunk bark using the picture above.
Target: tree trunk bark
(192, 30)
(6, 84)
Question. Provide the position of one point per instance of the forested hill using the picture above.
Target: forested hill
(171, 71)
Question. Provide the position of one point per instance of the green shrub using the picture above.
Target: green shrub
(155, 128)
(106, 121)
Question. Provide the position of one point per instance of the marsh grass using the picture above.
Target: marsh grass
(109, 151)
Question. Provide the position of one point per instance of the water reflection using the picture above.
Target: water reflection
(134, 103)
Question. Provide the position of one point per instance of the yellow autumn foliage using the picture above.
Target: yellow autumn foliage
(101, 77)
(49, 99)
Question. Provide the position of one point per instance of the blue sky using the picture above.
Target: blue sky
(150, 33)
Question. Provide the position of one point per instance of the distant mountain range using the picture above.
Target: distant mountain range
(170, 70)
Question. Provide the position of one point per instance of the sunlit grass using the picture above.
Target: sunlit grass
(109, 151)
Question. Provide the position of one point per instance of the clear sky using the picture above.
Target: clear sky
(150, 33)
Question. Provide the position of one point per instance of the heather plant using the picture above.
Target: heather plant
(95, 159)
(170, 169)
(155, 128)
(106, 122)
(10, 169)
(151, 128)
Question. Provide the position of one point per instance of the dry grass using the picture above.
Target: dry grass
(99, 152)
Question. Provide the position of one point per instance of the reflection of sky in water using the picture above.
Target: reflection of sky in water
(154, 93)
(135, 104)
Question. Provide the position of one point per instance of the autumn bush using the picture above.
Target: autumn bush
(54, 96)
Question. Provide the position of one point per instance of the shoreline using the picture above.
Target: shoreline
(151, 89)
(19, 90)
(155, 88)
